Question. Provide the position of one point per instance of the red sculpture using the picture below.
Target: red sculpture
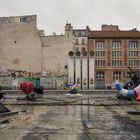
(27, 87)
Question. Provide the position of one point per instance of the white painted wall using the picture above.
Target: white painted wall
(78, 71)
(91, 72)
(84, 73)
(71, 69)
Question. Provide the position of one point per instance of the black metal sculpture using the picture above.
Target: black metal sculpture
(134, 78)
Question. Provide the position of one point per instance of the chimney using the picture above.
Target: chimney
(111, 27)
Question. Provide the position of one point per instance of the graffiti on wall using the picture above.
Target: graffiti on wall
(5, 82)
(17, 19)
(15, 73)
(12, 79)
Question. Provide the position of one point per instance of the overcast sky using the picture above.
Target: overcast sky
(53, 14)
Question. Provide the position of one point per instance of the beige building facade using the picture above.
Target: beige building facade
(55, 52)
(25, 48)
(20, 44)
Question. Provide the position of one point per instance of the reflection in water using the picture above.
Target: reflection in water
(83, 112)
(70, 122)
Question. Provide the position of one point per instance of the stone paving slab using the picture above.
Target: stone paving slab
(55, 117)
(72, 122)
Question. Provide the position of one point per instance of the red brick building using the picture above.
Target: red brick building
(115, 50)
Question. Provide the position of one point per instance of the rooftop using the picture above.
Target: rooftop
(117, 33)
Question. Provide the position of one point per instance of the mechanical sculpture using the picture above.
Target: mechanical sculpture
(130, 90)
(133, 76)
(73, 90)
(132, 94)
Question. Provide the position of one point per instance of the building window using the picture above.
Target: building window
(116, 63)
(99, 45)
(100, 53)
(83, 41)
(117, 75)
(100, 63)
(100, 75)
(77, 41)
(65, 66)
(133, 63)
(133, 53)
(116, 44)
(116, 53)
(133, 44)
(76, 33)
(83, 33)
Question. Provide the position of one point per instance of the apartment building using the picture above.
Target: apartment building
(114, 50)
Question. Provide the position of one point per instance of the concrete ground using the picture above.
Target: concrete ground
(71, 122)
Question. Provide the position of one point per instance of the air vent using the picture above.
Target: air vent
(71, 53)
(78, 53)
(91, 53)
(84, 53)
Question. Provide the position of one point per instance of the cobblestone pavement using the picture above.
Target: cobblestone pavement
(72, 122)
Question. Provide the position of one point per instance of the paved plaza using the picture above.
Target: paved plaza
(74, 121)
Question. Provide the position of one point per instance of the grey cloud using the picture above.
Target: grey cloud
(52, 14)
